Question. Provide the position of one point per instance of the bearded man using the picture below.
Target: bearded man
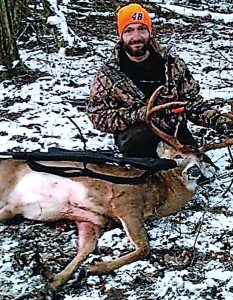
(135, 69)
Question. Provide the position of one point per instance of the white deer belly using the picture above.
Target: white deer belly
(41, 196)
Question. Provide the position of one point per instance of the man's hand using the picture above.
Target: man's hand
(224, 123)
(141, 113)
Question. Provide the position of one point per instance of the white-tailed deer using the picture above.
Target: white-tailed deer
(92, 203)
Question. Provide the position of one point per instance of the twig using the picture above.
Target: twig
(198, 233)
(231, 184)
(230, 153)
(80, 136)
(228, 189)
(230, 61)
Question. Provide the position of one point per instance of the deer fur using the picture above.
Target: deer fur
(93, 203)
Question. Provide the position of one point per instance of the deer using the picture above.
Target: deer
(93, 203)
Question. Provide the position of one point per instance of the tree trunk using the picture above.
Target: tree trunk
(19, 13)
(9, 54)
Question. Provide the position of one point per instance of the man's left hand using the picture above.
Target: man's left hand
(224, 123)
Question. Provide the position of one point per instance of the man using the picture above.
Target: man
(121, 88)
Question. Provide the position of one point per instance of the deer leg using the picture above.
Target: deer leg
(7, 212)
(88, 235)
(134, 227)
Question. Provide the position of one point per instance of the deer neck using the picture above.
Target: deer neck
(178, 192)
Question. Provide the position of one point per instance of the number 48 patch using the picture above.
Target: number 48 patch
(137, 16)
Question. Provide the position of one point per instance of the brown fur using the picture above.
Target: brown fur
(92, 203)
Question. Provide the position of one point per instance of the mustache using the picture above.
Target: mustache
(138, 41)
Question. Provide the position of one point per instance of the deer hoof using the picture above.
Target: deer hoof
(57, 282)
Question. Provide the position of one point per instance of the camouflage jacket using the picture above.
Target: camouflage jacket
(116, 101)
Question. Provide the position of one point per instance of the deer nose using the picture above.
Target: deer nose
(194, 172)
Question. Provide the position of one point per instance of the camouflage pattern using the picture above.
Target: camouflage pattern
(116, 102)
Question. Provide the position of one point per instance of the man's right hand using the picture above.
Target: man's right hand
(224, 124)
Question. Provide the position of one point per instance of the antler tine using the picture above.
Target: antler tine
(226, 143)
(150, 112)
(152, 98)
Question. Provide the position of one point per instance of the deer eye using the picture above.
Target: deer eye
(178, 156)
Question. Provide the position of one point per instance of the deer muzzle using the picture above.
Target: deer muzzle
(194, 172)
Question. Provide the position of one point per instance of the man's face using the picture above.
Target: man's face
(135, 39)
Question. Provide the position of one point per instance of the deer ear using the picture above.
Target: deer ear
(160, 149)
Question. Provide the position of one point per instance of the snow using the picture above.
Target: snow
(34, 116)
(188, 12)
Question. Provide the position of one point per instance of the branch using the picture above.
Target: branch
(230, 61)
(199, 226)
(80, 136)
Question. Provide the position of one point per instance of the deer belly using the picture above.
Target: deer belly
(40, 196)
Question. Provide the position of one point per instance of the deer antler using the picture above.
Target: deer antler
(171, 140)
(152, 110)
(226, 143)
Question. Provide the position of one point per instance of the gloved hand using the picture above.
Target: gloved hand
(224, 123)
(141, 113)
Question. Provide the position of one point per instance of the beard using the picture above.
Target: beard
(137, 52)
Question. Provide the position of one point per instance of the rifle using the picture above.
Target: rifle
(148, 164)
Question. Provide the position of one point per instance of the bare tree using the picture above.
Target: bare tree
(9, 55)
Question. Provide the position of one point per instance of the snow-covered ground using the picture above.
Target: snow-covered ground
(34, 116)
